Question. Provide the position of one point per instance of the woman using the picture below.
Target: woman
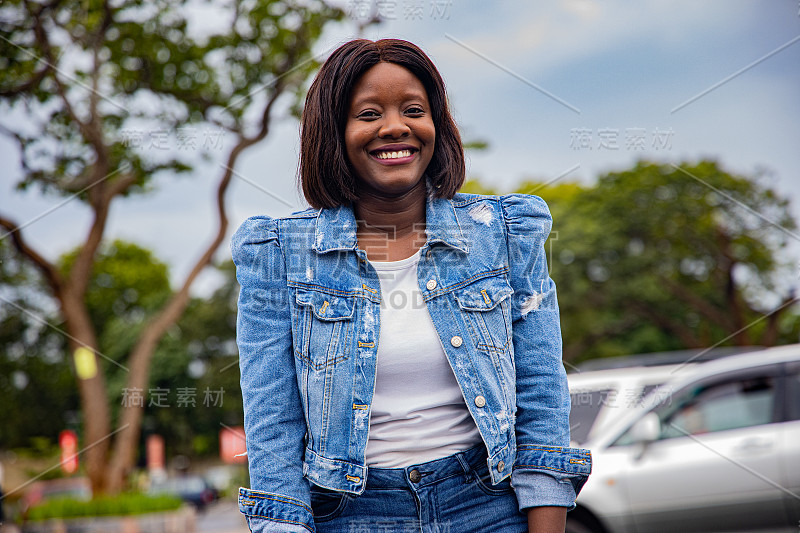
(399, 342)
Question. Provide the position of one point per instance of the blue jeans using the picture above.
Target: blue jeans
(449, 495)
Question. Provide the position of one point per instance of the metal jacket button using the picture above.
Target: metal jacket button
(414, 476)
(456, 341)
(431, 284)
(480, 401)
(500, 466)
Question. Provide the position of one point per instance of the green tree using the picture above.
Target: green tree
(89, 77)
(128, 284)
(664, 257)
(33, 372)
(200, 356)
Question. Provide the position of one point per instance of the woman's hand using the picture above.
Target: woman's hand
(547, 519)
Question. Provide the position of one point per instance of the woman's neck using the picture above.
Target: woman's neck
(390, 229)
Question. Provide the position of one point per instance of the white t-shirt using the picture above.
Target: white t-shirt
(418, 411)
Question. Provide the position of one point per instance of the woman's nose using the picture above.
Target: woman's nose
(394, 126)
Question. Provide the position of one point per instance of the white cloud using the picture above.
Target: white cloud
(536, 37)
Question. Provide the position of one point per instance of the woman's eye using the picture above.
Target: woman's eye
(368, 114)
(415, 110)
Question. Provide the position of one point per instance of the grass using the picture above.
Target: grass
(122, 504)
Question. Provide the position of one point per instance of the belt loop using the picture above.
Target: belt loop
(465, 466)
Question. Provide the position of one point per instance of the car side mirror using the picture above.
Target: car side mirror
(646, 429)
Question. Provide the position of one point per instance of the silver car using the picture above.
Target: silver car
(720, 452)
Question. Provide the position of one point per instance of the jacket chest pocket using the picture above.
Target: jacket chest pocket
(323, 325)
(486, 308)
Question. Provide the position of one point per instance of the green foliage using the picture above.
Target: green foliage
(119, 505)
(658, 258)
(127, 284)
(478, 145)
(201, 355)
(473, 186)
(99, 80)
(36, 384)
(102, 99)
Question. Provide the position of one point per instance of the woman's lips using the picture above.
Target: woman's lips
(400, 159)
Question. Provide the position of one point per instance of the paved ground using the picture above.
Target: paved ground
(221, 517)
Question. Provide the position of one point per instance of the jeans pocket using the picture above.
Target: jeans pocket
(327, 504)
(484, 482)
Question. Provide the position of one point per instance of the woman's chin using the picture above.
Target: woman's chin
(392, 186)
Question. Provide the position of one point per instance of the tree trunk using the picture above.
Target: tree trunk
(130, 422)
(96, 416)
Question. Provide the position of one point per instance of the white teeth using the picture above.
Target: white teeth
(394, 155)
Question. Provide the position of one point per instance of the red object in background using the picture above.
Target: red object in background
(155, 452)
(232, 445)
(68, 441)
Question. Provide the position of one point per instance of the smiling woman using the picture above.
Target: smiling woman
(389, 133)
(328, 177)
(393, 376)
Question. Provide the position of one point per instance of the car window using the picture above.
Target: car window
(585, 408)
(721, 406)
(647, 389)
(793, 392)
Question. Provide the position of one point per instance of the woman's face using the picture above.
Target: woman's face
(389, 135)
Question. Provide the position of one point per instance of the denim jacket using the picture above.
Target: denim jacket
(308, 330)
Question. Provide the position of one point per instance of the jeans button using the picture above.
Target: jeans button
(414, 476)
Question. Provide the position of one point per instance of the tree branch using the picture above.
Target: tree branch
(147, 343)
(698, 303)
(684, 333)
(770, 335)
(81, 269)
(25, 87)
(573, 349)
(120, 185)
(50, 272)
(92, 135)
(732, 296)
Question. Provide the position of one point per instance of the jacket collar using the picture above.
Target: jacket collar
(336, 227)
(441, 224)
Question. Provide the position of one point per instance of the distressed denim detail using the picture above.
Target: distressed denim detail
(308, 330)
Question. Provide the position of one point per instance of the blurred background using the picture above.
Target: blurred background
(135, 138)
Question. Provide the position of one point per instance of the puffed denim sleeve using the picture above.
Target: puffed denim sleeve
(278, 499)
(547, 472)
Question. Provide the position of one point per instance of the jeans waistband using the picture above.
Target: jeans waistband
(460, 463)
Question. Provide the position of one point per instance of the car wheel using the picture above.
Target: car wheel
(576, 526)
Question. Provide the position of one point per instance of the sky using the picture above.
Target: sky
(562, 90)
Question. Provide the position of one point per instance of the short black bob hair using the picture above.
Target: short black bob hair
(326, 176)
